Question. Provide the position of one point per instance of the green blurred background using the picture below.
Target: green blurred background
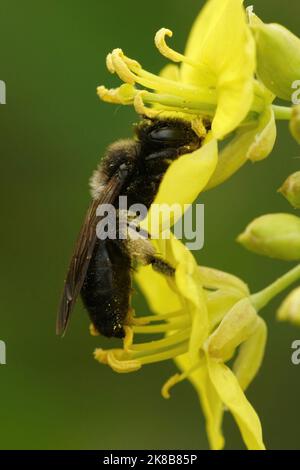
(53, 131)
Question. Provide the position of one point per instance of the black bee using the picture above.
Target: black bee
(100, 270)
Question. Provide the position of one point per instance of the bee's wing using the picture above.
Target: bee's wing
(83, 252)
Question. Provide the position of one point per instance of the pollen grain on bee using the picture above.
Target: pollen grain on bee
(121, 221)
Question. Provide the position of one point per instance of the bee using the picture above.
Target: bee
(101, 269)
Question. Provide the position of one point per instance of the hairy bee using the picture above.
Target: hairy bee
(100, 270)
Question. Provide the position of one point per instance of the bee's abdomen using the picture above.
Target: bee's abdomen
(107, 287)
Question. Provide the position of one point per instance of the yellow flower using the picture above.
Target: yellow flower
(208, 317)
(205, 315)
(215, 78)
(215, 82)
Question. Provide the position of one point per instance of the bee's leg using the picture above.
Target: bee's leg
(143, 251)
(139, 246)
(162, 266)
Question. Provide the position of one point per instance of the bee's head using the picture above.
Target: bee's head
(160, 134)
(121, 153)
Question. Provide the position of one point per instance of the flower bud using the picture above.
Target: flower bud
(295, 123)
(291, 189)
(290, 308)
(273, 235)
(278, 56)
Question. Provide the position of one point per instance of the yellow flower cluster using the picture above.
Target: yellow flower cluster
(208, 317)
(216, 80)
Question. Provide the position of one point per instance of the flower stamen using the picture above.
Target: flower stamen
(114, 359)
(121, 95)
(164, 327)
(165, 355)
(171, 54)
(156, 318)
(177, 378)
(164, 343)
(131, 72)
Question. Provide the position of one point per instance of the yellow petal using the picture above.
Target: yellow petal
(210, 401)
(213, 410)
(189, 288)
(186, 285)
(265, 137)
(171, 72)
(181, 185)
(200, 326)
(253, 142)
(235, 328)
(216, 279)
(169, 296)
(160, 297)
(231, 394)
(218, 304)
(234, 102)
(250, 355)
(221, 40)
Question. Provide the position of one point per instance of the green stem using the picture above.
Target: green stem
(282, 113)
(262, 298)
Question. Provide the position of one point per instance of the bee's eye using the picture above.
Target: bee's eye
(167, 135)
